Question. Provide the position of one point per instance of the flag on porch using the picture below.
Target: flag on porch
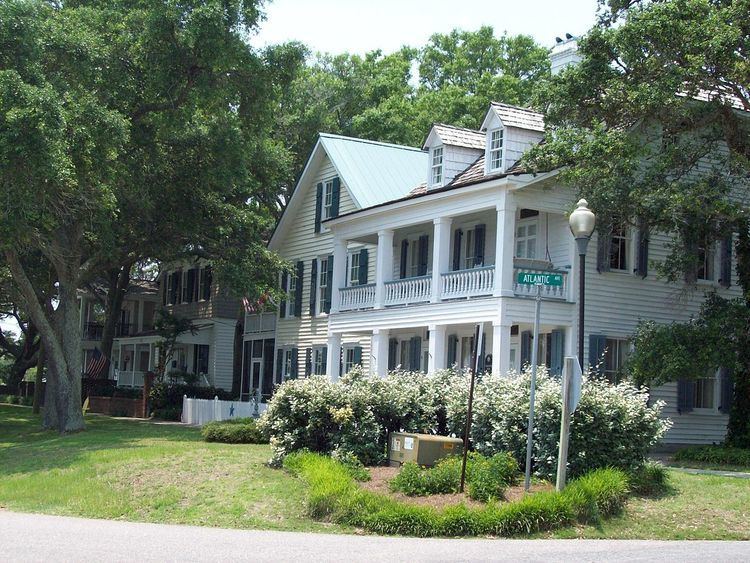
(97, 364)
(256, 306)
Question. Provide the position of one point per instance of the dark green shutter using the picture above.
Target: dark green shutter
(404, 257)
(725, 278)
(279, 365)
(597, 345)
(335, 197)
(424, 252)
(643, 239)
(685, 395)
(457, 236)
(415, 353)
(318, 206)
(358, 355)
(525, 348)
(479, 236)
(392, 353)
(295, 363)
(557, 346)
(165, 289)
(604, 250)
(329, 287)
(727, 390)
(308, 362)
(284, 286)
(208, 278)
(298, 293)
(324, 351)
(363, 266)
(313, 285)
(452, 345)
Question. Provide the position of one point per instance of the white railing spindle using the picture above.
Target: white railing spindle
(468, 283)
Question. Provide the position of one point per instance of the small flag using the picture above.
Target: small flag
(97, 364)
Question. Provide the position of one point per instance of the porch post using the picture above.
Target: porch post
(437, 348)
(379, 363)
(383, 265)
(500, 349)
(339, 273)
(504, 246)
(333, 354)
(441, 248)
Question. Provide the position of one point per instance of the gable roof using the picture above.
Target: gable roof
(374, 172)
(457, 136)
(513, 116)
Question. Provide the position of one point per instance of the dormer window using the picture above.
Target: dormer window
(436, 170)
(496, 149)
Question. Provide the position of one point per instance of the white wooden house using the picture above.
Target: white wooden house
(400, 252)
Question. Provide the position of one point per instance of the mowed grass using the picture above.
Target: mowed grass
(697, 507)
(141, 471)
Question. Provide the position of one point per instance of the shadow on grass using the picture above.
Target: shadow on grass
(25, 447)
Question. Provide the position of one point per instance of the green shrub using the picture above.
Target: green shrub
(486, 478)
(333, 495)
(17, 400)
(166, 398)
(239, 431)
(650, 479)
(351, 462)
(718, 455)
(613, 426)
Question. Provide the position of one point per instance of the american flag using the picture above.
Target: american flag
(256, 306)
(97, 364)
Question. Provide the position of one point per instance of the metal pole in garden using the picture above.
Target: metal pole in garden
(478, 334)
(534, 353)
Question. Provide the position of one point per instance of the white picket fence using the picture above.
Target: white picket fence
(201, 411)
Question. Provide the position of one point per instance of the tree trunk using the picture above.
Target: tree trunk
(38, 381)
(117, 285)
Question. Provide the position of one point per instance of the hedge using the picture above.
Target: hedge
(236, 431)
(719, 455)
(166, 398)
(334, 495)
(614, 425)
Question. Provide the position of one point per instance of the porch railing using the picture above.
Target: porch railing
(548, 291)
(468, 283)
(129, 378)
(408, 290)
(357, 297)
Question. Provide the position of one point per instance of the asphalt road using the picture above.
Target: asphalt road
(35, 537)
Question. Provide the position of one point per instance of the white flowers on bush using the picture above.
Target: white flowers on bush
(613, 426)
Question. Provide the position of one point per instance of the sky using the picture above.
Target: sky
(359, 26)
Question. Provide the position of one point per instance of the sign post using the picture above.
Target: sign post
(538, 279)
(571, 394)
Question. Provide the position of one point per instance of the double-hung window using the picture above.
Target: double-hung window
(706, 258)
(436, 170)
(319, 361)
(327, 199)
(291, 298)
(287, 370)
(618, 249)
(615, 353)
(526, 239)
(323, 282)
(496, 149)
(354, 269)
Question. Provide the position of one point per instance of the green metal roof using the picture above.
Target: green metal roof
(375, 172)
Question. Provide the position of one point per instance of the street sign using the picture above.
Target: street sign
(539, 278)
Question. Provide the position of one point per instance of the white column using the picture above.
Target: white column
(334, 354)
(339, 273)
(441, 248)
(379, 362)
(500, 349)
(437, 348)
(383, 265)
(504, 246)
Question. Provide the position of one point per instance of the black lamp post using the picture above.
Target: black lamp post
(582, 222)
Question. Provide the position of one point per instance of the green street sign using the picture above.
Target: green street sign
(539, 278)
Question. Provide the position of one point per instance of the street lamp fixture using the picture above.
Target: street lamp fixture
(582, 222)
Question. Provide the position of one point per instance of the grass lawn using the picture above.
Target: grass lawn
(130, 470)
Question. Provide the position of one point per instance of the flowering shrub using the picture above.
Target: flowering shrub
(613, 425)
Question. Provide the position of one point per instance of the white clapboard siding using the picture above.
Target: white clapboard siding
(302, 243)
(691, 427)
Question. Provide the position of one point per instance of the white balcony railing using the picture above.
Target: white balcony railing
(548, 291)
(357, 297)
(409, 290)
(468, 283)
(129, 378)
